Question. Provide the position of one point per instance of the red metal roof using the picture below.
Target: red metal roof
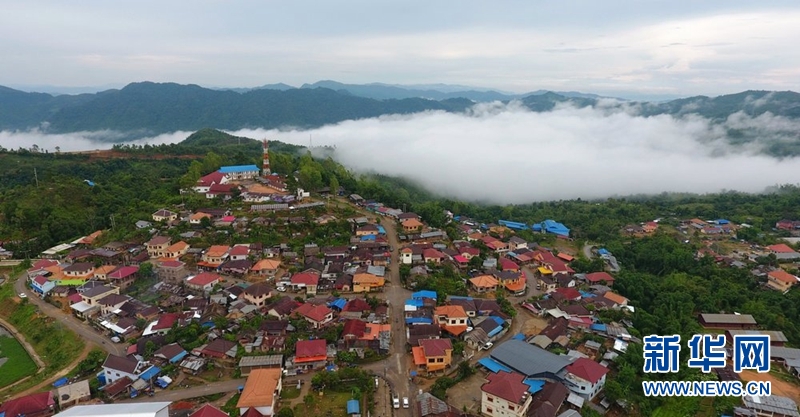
(311, 348)
(587, 369)
(506, 385)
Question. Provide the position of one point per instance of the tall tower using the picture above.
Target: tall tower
(265, 171)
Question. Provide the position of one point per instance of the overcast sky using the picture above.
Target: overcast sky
(612, 47)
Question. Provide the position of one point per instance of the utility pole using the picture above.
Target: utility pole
(36, 176)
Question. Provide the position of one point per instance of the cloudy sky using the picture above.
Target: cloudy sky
(621, 48)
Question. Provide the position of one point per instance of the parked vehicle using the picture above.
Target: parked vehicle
(405, 402)
(395, 402)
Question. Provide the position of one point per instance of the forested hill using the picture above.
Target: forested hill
(149, 108)
(146, 108)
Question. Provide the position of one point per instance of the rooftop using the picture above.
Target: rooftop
(527, 359)
(118, 409)
(259, 390)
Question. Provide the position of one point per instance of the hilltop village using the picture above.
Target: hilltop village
(357, 308)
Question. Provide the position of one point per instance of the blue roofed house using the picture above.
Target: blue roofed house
(353, 407)
(240, 172)
(554, 227)
(531, 361)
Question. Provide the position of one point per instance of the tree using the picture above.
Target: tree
(146, 270)
(334, 184)
(310, 178)
(285, 412)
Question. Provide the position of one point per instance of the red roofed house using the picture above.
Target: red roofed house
(220, 348)
(123, 276)
(204, 183)
(452, 318)
(203, 282)
(781, 280)
(311, 354)
(261, 392)
(433, 355)
(35, 405)
(239, 252)
(433, 256)
(317, 315)
(505, 394)
(208, 410)
(599, 278)
(585, 377)
(461, 261)
(219, 190)
(783, 252)
(307, 280)
(570, 293)
(508, 265)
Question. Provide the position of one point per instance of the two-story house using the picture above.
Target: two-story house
(317, 315)
(203, 282)
(261, 392)
(585, 377)
(306, 280)
(781, 280)
(214, 256)
(157, 246)
(452, 319)
(505, 394)
(176, 250)
(117, 367)
(123, 276)
(433, 355)
(367, 282)
(80, 271)
(257, 294)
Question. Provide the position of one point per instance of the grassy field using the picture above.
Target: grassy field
(19, 363)
(331, 404)
(55, 344)
(290, 393)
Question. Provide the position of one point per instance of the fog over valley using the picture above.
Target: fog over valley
(504, 153)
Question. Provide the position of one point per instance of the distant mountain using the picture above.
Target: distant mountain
(278, 86)
(144, 109)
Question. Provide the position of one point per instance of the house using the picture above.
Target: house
(781, 280)
(585, 377)
(419, 332)
(261, 392)
(514, 282)
(208, 410)
(157, 246)
(123, 276)
(196, 219)
(430, 406)
(214, 256)
(306, 280)
(171, 353)
(412, 225)
(603, 278)
(452, 319)
(406, 256)
(773, 406)
(239, 252)
(112, 303)
(433, 256)
(203, 282)
(79, 271)
(505, 394)
(176, 250)
(433, 355)
(220, 190)
(72, 394)
(776, 337)
(783, 252)
(40, 404)
(164, 215)
(317, 315)
(239, 172)
(483, 283)
(257, 294)
(41, 285)
(220, 348)
(164, 323)
(171, 271)
(516, 242)
(367, 230)
(311, 354)
(508, 265)
(94, 294)
(266, 267)
(367, 282)
(249, 364)
(728, 321)
(547, 401)
(616, 299)
(117, 367)
(530, 360)
(282, 308)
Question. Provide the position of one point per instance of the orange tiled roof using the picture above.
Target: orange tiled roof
(484, 281)
(419, 355)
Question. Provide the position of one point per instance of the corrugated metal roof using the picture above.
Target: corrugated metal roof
(528, 359)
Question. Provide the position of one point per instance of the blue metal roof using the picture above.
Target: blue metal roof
(238, 168)
(179, 357)
(338, 303)
(151, 372)
(603, 251)
(497, 320)
(352, 407)
(419, 320)
(424, 294)
(519, 336)
(536, 227)
(535, 385)
(598, 327)
(493, 365)
(415, 302)
(495, 331)
(367, 238)
(381, 230)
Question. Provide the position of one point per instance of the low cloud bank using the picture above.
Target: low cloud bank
(508, 154)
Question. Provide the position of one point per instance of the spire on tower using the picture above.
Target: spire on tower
(265, 170)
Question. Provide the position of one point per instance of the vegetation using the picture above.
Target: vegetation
(18, 364)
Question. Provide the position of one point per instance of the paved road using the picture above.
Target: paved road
(193, 392)
(86, 332)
